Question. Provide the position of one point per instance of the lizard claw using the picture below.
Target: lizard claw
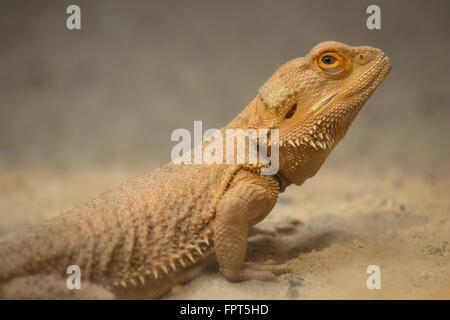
(277, 229)
(257, 271)
(269, 266)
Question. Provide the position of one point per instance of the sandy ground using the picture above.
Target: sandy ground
(82, 112)
(352, 219)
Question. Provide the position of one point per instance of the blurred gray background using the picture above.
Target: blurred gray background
(112, 93)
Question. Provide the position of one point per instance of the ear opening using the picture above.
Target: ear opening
(291, 112)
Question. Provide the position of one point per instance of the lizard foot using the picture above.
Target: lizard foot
(277, 229)
(269, 265)
(259, 271)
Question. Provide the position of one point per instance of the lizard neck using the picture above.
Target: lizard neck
(248, 118)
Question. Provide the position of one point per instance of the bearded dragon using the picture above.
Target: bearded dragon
(163, 228)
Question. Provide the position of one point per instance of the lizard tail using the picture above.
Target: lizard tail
(32, 251)
(51, 287)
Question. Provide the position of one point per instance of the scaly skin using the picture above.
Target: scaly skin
(165, 227)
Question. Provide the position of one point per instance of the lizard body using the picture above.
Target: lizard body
(163, 228)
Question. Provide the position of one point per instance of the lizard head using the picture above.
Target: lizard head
(313, 100)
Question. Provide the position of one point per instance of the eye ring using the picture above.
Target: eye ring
(333, 64)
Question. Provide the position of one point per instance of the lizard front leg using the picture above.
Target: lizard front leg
(240, 208)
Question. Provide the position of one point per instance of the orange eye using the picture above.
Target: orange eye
(332, 63)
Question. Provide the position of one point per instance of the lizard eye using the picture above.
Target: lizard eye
(332, 63)
(328, 60)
